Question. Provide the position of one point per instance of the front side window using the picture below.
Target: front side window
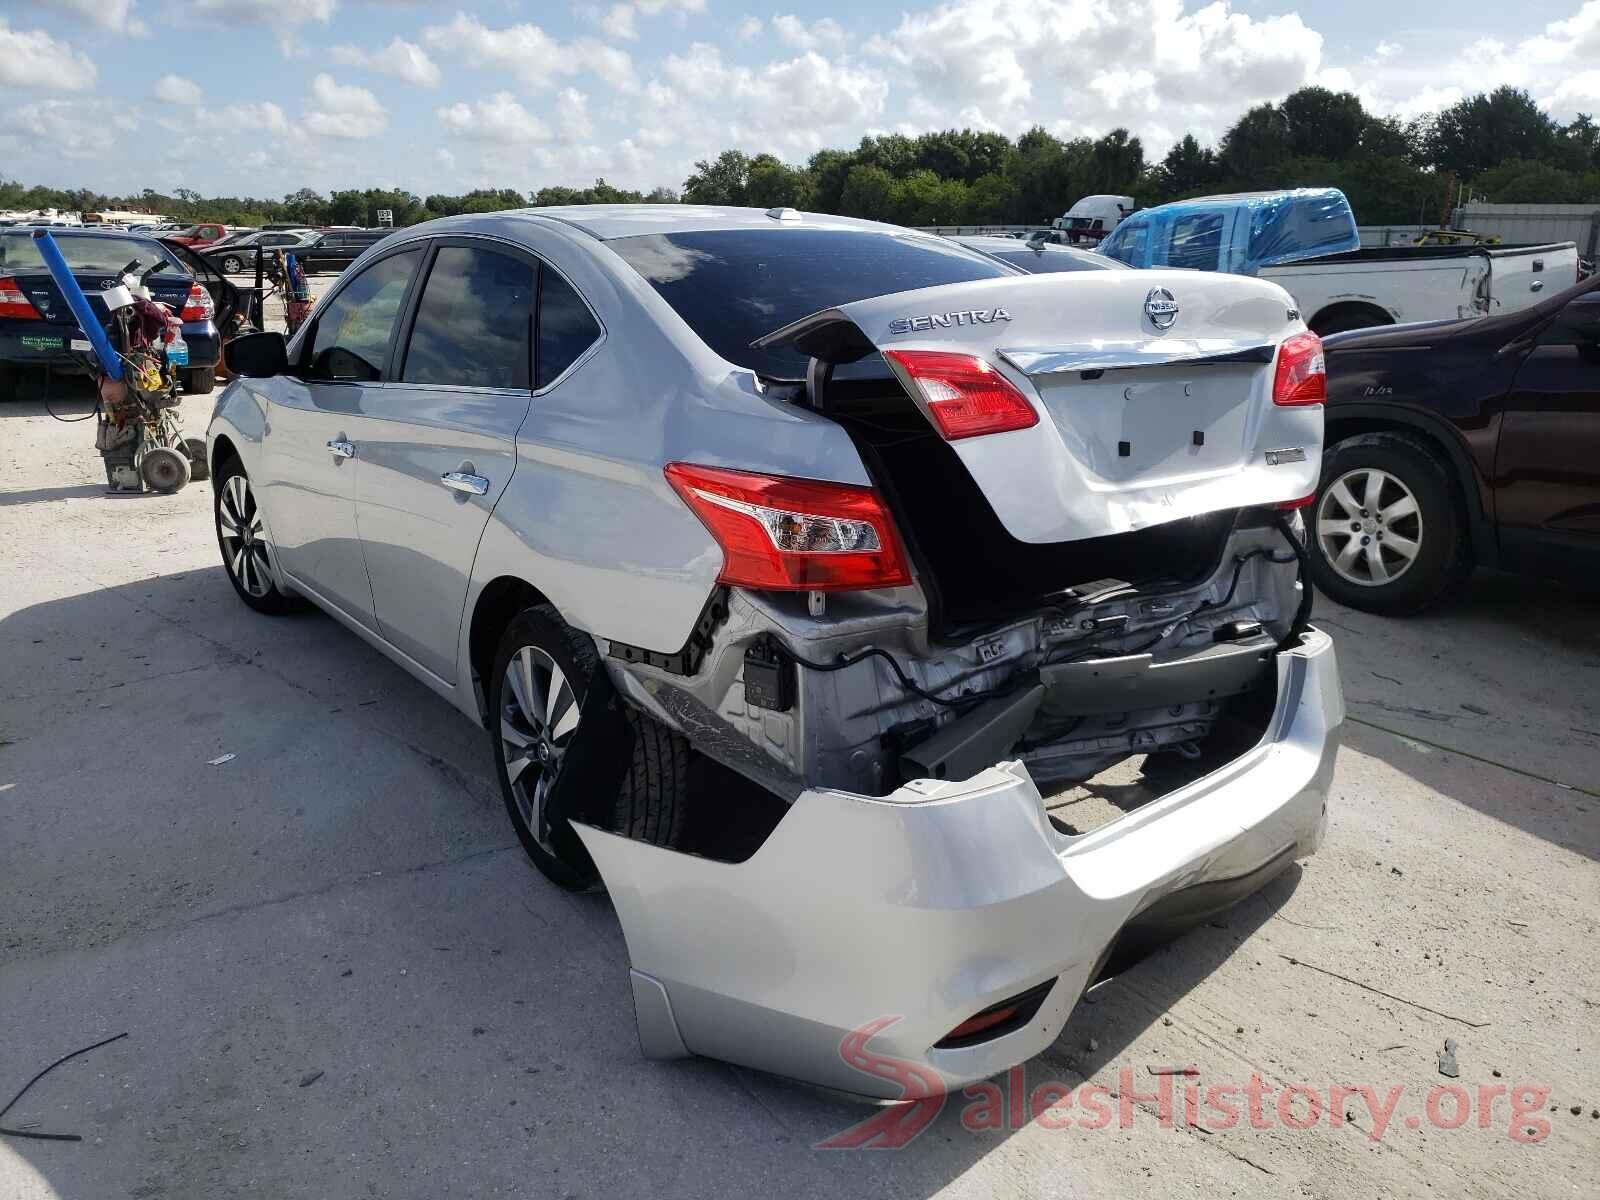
(566, 327)
(733, 286)
(352, 336)
(1127, 243)
(474, 322)
(1196, 242)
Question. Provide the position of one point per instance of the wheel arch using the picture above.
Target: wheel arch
(1351, 308)
(499, 601)
(1347, 421)
(222, 449)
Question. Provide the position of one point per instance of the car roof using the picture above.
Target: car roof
(991, 244)
(608, 221)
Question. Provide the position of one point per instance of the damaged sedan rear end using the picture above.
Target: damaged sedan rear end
(897, 637)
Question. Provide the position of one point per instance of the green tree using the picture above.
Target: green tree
(1483, 131)
(1323, 123)
(1258, 141)
(723, 180)
(774, 184)
(869, 192)
(1189, 169)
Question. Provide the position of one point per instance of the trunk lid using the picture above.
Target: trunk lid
(167, 287)
(1139, 424)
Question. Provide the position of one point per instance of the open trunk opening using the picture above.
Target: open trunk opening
(973, 570)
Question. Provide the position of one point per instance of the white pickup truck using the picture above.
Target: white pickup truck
(1306, 242)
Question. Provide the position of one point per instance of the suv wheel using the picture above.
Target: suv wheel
(1389, 536)
(541, 675)
(241, 535)
(232, 265)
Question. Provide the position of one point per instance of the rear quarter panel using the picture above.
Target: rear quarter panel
(1424, 290)
(589, 518)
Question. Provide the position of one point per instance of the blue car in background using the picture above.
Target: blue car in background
(37, 328)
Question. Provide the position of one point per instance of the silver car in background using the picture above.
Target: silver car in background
(803, 571)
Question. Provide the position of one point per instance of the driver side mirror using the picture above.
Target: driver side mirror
(257, 355)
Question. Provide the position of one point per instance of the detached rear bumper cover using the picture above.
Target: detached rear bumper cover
(940, 899)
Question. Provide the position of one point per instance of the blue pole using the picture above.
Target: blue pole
(110, 361)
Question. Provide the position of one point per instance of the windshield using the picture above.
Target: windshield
(733, 285)
(86, 253)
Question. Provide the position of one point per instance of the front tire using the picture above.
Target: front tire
(541, 676)
(241, 536)
(232, 265)
(1389, 532)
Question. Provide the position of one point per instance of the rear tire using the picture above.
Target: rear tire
(197, 381)
(532, 731)
(1435, 554)
(232, 265)
(1343, 322)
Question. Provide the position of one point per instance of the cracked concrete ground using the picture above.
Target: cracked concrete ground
(344, 896)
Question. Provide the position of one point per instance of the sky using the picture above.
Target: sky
(261, 97)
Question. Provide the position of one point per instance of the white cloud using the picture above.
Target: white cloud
(749, 28)
(400, 58)
(1096, 65)
(531, 55)
(77, 130)
(499, 118)
(255, 119)
(34, 59)
(115, 15)
(343, 111)
(282, 14)
(572, 115)
(621, 20)
(795, 32)
(175, 89)
(1385, 50)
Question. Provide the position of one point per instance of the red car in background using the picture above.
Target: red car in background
(199, 235)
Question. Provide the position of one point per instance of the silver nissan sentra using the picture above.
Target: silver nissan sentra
(897, 637)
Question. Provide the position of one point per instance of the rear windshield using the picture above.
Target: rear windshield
(1042, 262)
(88, 253)
(733, 285)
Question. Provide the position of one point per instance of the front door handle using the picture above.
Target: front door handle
(342, 448)
(1536, 286)
(460, 481)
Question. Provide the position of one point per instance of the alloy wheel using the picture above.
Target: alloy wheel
(244, 541)
(538, 717)
(1369, 527)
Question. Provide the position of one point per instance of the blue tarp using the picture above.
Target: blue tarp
(1238, 234)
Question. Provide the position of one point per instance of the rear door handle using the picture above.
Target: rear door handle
(460, 481)
(342, 449)
(1536, 286)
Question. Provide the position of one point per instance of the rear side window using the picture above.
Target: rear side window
(352, 335)
(733, 286)
(474, 321)
(1196, 242)
(566, 327)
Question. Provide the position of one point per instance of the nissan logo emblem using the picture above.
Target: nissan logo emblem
(1162, 308)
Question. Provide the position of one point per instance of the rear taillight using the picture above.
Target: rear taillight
(198, 306)
(13, 303)
(965, 396)
(1302, 377)
(1290, 505)
(794, 534)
